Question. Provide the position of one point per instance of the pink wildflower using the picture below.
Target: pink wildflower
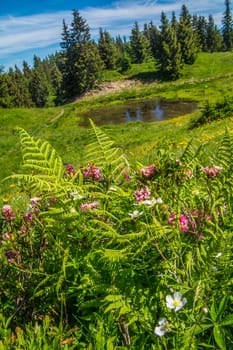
(70, 170)
(28, 217)
(7, 235)
(183, 223)
(142, 194)
(11, 256)
(212, 172)
(127, 177)
(24, 229)
(7, 212)
(93, 172)
(91, 205)
(148, 171)
(172, 218)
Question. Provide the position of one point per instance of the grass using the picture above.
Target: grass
(210, 78)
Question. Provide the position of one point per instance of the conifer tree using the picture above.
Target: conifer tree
(81, 61)
(227, 29)
(187, 38)
(107, 49)
(199, 24)
(154, 36)
(170, 58)
(5, 97)
(214, 38)
(140, 46)
(38, 89)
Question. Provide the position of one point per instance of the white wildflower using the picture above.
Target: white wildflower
(76, 196)
(176, 302)
(112, 189)
(152, 202)
(162, 328)
(135, 214)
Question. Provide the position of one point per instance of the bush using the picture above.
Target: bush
(210, 112)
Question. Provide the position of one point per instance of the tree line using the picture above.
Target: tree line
(80, 63)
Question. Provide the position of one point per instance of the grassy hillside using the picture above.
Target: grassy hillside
(106, 253)
(210, 78)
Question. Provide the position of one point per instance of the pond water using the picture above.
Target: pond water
(143, 110)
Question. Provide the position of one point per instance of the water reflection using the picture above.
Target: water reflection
(159, 112)
(143, 111)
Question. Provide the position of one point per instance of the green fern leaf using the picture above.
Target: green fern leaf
(101, 151)
(39, 156)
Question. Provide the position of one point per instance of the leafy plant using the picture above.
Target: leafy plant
(109, 255)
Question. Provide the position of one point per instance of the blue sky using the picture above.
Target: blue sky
(29, 28)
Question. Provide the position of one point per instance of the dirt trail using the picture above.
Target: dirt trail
(109, 87)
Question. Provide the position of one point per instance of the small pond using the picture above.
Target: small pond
(143, 110)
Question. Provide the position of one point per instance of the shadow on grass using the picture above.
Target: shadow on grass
(146, 77)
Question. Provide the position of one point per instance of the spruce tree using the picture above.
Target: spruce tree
(107, 49)
(200, 28)
(82, 64)
(214, 38)
(170, 58)
(227, 29)
(187, 38)
(154, 37)
(38, 89)
(140, 46)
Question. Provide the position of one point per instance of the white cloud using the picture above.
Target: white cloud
(42, 30)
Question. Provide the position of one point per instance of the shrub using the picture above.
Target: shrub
(210, 112)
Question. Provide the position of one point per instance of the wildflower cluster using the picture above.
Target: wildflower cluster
(70, 170)
(8, 213)
(92, 172)
(213, 171)
(190, 223)
(90, 205)
(142, 194)
(148, 171)
(176, 303)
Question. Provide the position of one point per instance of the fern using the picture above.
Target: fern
(190, 153)
(46, 166)
(39, 156)
(224, 154)
(102, 152)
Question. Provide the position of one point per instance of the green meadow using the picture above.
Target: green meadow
(210, 78)
(120, 236)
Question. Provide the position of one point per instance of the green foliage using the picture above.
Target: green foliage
(215, 111)
(227, 26)
(107, 49)
(170, 58)
(187, 37)
(82, 64)
(90, 259)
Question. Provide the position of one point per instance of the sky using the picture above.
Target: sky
(29, 28)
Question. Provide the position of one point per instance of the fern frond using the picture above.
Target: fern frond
(101, 152)
(39, 156)
(112, 255)
(45, 183)
(224, 154)
(190, 153)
